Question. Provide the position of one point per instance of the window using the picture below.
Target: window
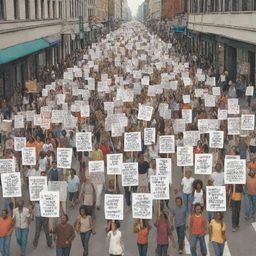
(16, 9)
(36, 9)
(42, 9)
(60, 10)
(235, 5)
(54, 9)
(245, 5)
(2, 10)
(227, 5)
(27, 9)
(49, 9)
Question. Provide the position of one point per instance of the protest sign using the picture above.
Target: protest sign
(11, 184)
(50, 204)
(209, 100)
(216, 198)
(203, 163)
(184, 156)
(83, 141)
(130, 175)
(114, 164)
(30, 115)
(7, 165)
(216, 139)
(142, 206)
(233, 107)
(222, 114)
(179, 126)
(149, 136)
(19, 143)
(132, 141)
(96, 166)
(18, 121)
(59, 186)
(187, 115)
(114, 207)
(166, 144)
(186, 99)
(247, 122)
(57, 116)
(190, 138)
(85, 110)
(31, 86)
(234, 125)
(249, 91)
(216, 91)
(36, 185)
(164, 168)
(159, 187)
(64, 157)
(145, 112)
(28, 156)
(6, 125)
(234, 171)
(232, 157)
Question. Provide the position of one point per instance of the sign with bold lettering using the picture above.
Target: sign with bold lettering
(216, 198)
(7, 165)
(114, 207)
(28, 156)
(130, 175)
(50, 204)
(132, 141)
(164, 168)
(234, 171)
(36, 185)
(203, 163)
(83, 141)
(114, 164)
(166, 144)
(149, 136)
(159, 187)
(11, 184)
(216, 139)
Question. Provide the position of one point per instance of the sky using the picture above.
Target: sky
(133, 4)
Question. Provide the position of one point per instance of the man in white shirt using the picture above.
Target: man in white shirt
(218, 176)
(22, 218)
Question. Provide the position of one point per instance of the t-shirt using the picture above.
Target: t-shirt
(6, 226)
(143, 236)
(197, 224)
(217, 231)
(179, 216)
(187, 185)
(115, 246)
(20, 217)
(218, 178)
(73, 184)
(163, 230)
(251, 186)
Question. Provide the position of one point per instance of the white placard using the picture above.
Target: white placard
(7, 165)
(203, 163)
(234, 125)
(18, 121)
(166, 144)
(145, 112)
(85, 110)
(233, 107)
(222, 114)
(149, 136)
(11, 184)
(64, 157)
(49, 204)
(19, 143)
(184, 156)
(159, 187)
(187, 115)
(234, 171)
(142, 206)
(114, 207)
(37, 120)
(114, 164)
(249, 91)
(83, 141)
(186, 99)
(216, 139)
(247, 122)
(216, 91)
(132, 141)
(36, 185)
(216, 198)
(28, 156)
(130, 175)
(164, 168)
(96, 166)
(59, 186)
(191, 138)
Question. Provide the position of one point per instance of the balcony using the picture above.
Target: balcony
(239, 26)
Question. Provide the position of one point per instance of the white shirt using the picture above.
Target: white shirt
(33, 172)
(43, 163)
(115, 246)
(198, 197)
(21, 217)
(73, 184)
(218, 178)
(187, 185)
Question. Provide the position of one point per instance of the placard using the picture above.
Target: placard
(247, 122)
(132, 141)
(36, 185)
(190, 138)
(234, 125)
(184, 156)
(222, 114)
(142, 206)
(249, 91)
(7, 165)
(203, 163)
(164, 168)
(59, 186)
(187, 115)
(149, 136)
(64, 157)
(19, 143)
(96, 166)
(216, 199)
(18, 121)
(159, 187)
(234, 171)
(166, 144)
(216, 139)
(114, 164)
(145, 112)
(28, 156)
(233, 107)
(130, 175)
(83, 141)
(114, 207)
(50, 204)
(11, 184)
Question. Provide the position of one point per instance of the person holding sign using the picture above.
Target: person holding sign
(142, 228)
(73, 187)
(250, 195)
(84, 227)
(198, 194)
(217, 233)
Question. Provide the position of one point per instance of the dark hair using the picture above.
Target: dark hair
(65, 215)
(196, 205)
(179, 198)
(196, 182)
(221, 215)
(73, 170)
(83, 207)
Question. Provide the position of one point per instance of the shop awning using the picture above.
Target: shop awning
(21, 50)
(53, 40)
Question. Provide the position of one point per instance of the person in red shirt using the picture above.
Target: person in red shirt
(6, 228)
(199, 148)
(197, 231)
(104, 147)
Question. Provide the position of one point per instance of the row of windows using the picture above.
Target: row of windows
(202, 6)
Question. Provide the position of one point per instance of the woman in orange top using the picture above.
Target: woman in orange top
(142, 228)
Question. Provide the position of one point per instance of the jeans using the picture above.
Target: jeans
(98, 190)
(162, 249)
(63, 251)
(218, 248)
(193, 243)
(236, 206)
(143, 249)
(250, 205)
(85, 240)
(42, 222)
(22, 238)
(5, 245)
(187, 200)
(181, 236)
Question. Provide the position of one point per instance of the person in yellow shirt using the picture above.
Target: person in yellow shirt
(97, 154)
(217, 233)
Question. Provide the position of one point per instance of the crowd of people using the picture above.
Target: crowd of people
(128, 68)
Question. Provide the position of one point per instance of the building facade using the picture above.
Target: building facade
(171, 8)
(154, 9)
(225, 32)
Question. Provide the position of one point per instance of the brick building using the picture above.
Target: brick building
(171, 8)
